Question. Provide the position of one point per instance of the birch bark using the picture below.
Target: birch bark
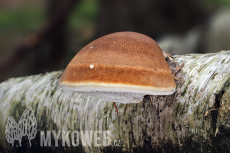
(195, 118)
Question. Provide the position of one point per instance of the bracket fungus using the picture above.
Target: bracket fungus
(120, 67)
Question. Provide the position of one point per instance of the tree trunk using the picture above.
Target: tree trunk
(194, 119)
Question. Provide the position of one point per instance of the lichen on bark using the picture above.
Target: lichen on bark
(194, 118)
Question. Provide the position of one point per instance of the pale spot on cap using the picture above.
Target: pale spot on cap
(91, 66)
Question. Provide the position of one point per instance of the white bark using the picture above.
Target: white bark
(198, 112)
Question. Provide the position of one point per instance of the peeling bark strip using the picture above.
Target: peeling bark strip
(195, 118)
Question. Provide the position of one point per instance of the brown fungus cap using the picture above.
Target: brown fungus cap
(120, 67)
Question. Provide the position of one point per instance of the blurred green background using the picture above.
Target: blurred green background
(26, 48)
